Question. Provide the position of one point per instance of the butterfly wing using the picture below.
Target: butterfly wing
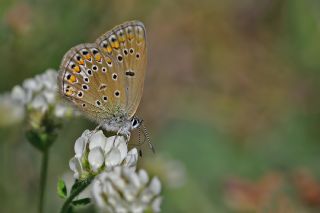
(105, 79)
(126, 46)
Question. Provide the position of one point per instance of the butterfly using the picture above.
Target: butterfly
(105, 79)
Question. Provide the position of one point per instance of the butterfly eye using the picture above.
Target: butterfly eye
(131, 50)
(98, 103)
(135, 123)
(105, 98)
(137, 55)
(104, 69)
(125, 52)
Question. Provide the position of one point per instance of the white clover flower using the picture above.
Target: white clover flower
(10, 112)
(94, 152)
(122, 190)
(171, 171)
(40, 93)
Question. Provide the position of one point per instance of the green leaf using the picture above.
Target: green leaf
(75, 186)
(83, 201)
(80, 183)
(76, 189)
(35, 140)
(62, 189)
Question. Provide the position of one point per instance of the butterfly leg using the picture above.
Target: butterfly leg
(98, 127)
(124, 133)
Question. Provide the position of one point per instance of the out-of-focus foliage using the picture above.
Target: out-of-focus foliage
(232, 93)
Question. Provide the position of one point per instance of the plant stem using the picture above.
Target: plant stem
(75, 193)
(43, 178)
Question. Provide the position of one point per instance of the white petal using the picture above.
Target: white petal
(39, 102)
(11, 111)
(80, 146)
(29, 95)
(132, 176)
(109, 190)
(86, 133)
(96, 158)
(76, 167)
(117, 170)
(49, 79)
(50, 96)
(130, 193)
(60, 110)
(119, 140)
(131, 158)
(122, 147)
(97, 140)
(143, 175)
(146, 196)
(109, 144)
(18, 94)
(97, 193)
(156, 204)
(117, 180)
(31, 84)
(112, 158)
(155, 186)
(119, 208)
(103, 176)
(137, 207)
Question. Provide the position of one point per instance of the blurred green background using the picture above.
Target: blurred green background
(231, 99)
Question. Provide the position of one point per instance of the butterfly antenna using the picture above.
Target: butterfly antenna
(146, 134)
(139, 136)
(139, 141)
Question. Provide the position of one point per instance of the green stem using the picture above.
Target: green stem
(75, 193)
(43, 178)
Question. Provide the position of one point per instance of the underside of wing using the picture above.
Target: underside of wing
(126, 45)
(105, 79)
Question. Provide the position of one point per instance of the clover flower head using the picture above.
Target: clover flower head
(94, 153)
(40, 93)
(125, 190)
(10, 112)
